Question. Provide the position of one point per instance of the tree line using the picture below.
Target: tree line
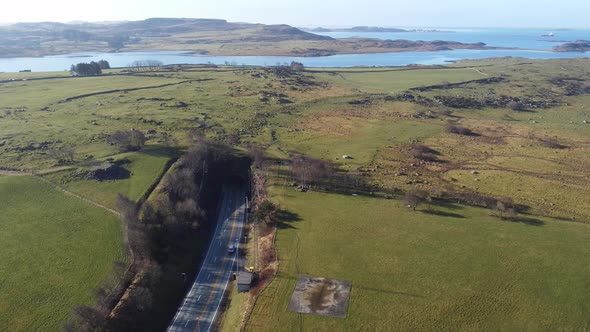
(89, 69)
(161, 234)
(146, 65)
(502, 207)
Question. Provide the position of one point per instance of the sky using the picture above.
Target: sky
(311, 13)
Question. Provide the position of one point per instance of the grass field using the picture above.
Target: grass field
(144, 169)
(394, 81)
(456, 268)
(55, 250)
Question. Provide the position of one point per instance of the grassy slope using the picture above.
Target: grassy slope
(413, 270)
(321, 122)
(40, 93)
(398, 80)
(145, 168)
(461, 269)
(54, 252)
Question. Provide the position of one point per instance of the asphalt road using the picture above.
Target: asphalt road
(201, 305)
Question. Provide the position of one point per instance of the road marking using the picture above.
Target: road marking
(227, 281)
(217, 280)
(219, 225)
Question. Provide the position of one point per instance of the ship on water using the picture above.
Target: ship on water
(550, 34)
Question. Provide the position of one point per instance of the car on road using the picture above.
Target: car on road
(231, 249)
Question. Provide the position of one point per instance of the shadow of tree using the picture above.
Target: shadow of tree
(525, 220)
(448, 204)
(285, 218)
(442, 213)
(340, 182)
(161, 151)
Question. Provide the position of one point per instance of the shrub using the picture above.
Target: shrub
(459, 130)
(552, 143)
(266, 212)
(132, 140)
(416, 197)
(423, 152)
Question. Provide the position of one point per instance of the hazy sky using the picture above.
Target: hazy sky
(449, 13)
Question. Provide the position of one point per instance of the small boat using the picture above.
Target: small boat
(550, 34)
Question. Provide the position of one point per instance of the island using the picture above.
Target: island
(576, 46)
(199, 36)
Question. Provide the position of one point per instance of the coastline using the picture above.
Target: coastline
(248, 50)
(285, 49)
(345, 60)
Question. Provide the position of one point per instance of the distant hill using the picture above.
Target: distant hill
(199, 36)
(154, 26)
(43, 38)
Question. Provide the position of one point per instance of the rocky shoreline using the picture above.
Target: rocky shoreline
(577, 46)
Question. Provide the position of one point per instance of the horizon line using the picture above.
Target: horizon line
(306, 26)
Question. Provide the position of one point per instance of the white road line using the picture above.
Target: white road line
(201, 269)
(227, 281)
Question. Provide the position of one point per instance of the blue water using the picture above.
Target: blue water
(522, 38)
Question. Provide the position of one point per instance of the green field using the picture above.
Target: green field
(457, 268)
(393, 81)
(55, 250)
(144, 169)
(454, 269)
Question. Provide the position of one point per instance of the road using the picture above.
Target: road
(201, 305)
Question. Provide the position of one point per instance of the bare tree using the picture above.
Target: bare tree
(146, 65)
(257, 153)
(86, 319)
(132, 140)
(309, 170)
(505, 208)
(416, 197)
(189, 212)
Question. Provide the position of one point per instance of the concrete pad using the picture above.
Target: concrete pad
(321, 296)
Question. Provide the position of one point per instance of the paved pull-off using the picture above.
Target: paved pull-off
(200, 306)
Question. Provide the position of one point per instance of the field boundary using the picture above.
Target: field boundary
(250, 310)
(86, 95)
(69, 193)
